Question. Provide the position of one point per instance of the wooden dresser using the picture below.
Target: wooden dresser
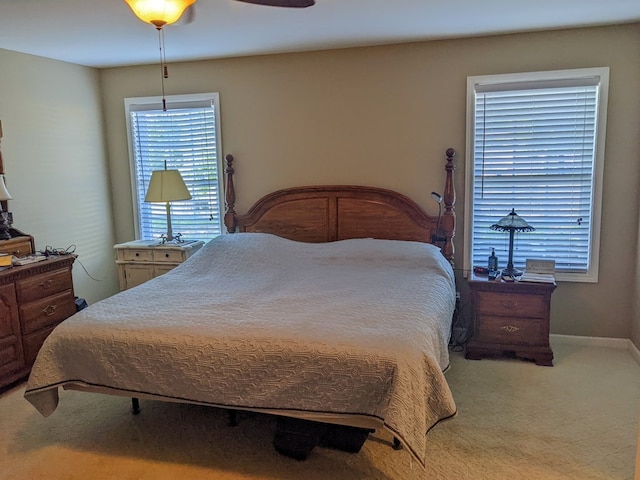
(33, 299)
(510, 318)
(142, 260)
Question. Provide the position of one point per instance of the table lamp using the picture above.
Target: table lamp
(512, 223)
(167, 186)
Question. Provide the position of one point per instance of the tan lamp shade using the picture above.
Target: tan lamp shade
(4, 193)
(166, 186)
(159, 12)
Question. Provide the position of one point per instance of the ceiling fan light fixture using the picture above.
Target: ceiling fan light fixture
(159, 12)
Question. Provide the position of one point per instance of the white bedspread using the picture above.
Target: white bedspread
(255, 321)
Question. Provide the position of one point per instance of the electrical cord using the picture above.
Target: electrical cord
(70, 250)
(460, 323)
(49, 251)
(460, 331)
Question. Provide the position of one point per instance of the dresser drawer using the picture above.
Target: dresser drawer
(17, 246)
(47, 311)
(43, 285)
(136, 255)
(511, 330)
(11, 358)
(168, 256)
(511, 304)
(33, 342)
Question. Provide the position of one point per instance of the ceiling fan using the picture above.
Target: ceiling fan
(282, 3)
(190, 13)
(165, 12)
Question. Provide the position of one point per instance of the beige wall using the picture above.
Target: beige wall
(384, 116)
(55, 163)
(380, 116)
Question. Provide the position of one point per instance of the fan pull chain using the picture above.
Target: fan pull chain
(164, 69)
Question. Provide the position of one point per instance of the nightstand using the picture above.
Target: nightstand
(510, 319)
(142, 260)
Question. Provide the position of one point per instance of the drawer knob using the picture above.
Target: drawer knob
(50, 310)
(510, 328)
(46, 284)
(510, 304)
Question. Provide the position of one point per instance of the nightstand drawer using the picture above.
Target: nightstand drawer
(135, 255)
(511, 304)
(43, 285)
(510, 330)
(168, 256)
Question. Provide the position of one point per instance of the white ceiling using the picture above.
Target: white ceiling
(105, 33)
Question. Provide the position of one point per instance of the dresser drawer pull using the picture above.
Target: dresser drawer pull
(50, 310)
(510, 328)
(46, 284)
(509, 304)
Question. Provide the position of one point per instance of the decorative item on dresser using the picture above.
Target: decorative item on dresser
(142, 260)
(4, 216)
(33, 300)
(510, 318)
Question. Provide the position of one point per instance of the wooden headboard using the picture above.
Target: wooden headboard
(327, 213)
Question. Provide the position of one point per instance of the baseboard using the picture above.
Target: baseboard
(619, 343)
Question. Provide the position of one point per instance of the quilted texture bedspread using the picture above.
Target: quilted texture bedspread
(255, 321)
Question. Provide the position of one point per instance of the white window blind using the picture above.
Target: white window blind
(535, 147)
(185, 136)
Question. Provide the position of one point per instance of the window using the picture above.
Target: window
(186, 137)
(535, 143)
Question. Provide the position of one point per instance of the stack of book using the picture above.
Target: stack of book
(537, 277)
(28, 259)
(5, 259)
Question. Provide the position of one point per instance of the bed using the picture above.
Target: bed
(328, 306)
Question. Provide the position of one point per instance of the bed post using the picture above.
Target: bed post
(449, 216)
(229, 197)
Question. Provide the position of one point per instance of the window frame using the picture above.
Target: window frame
(576, 75)
(173, 102)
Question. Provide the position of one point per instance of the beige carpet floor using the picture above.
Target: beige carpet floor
(576, 420)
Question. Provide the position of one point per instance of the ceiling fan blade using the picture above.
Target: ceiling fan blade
(189, 14)
(282, 3)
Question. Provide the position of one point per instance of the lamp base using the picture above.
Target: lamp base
(511, 272)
